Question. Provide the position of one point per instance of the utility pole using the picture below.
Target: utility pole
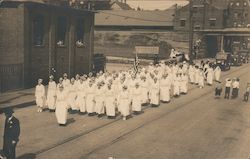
(191, 30)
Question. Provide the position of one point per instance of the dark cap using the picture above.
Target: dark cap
(8, 111)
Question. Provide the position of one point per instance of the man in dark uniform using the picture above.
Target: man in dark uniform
(11, 134)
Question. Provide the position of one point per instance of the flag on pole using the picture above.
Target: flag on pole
(136, 64)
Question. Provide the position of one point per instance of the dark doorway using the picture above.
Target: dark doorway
(212, 46)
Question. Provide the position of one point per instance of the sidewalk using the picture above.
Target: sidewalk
(17, 99)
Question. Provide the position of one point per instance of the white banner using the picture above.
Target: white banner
(146, 49)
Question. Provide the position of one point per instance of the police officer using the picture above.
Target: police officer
(11, 134)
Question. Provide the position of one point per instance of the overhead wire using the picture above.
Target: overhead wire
(129, 17)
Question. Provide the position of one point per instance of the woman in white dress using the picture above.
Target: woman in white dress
(184, 84)
(110, 101)
(90, 104)
(81, 96)
(72, 94)
(217, 73)
(201, 78)
(99, 99)
(124, 102)
(136, 100)
(61, 106)
(176, 84)
(51, 95)
(165, 85)
(210, 76)
(144, 90)
(40, 95)
(154, 94)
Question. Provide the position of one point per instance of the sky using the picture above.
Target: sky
(155, 4)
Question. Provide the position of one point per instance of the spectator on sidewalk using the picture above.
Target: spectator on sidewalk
(227, 88)
(218, 90)
(40, 95)
(11, 134)
(235, 86)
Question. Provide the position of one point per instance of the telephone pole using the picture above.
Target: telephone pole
(191, 30)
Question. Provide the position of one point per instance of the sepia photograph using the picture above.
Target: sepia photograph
(124, 79)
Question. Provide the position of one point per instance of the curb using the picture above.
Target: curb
(21, 105)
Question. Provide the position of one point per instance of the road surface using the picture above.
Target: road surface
(194, 126)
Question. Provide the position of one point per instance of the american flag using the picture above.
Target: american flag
(136, 64)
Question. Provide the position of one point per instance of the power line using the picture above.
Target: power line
(128, 17)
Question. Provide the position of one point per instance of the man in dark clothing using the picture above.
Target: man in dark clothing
(11, 134)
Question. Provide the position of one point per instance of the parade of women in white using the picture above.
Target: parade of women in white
(123, 92)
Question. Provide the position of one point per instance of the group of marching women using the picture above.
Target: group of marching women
(122, 92)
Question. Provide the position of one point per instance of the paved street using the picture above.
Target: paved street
(194, 126)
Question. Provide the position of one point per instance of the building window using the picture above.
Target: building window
(236, 15)
(183, 23)
(237, 4)
(232, 4)
(212, 22)
(38, 30)
(61, 30)
(195, 9)
(80, 32)
(197, 27)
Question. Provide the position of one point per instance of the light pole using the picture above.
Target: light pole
(191, 30)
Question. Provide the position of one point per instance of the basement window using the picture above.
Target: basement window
(61, 31)
(212, 22)
(38, 30)
(183, 23)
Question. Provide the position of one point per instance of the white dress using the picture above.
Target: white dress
(110, 102)
(51, 95)
(66, 83)
(144, 91)
(201, 79)
(40, 95)
(217, 73)
(184, 84)
(61, 107)
(136, 100)
(124, 103)
(176, 83)
(196, 76)
(71, 98)
(154, 95)
(165, 89)
(210, 76)
(99, 100)
(90, 105)
(81, 97)
(191, 74)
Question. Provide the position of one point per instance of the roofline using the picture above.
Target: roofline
(45, 5)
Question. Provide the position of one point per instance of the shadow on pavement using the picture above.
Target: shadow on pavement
(70, 121)
(27, 156)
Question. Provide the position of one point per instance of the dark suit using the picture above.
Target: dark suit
(11, 133)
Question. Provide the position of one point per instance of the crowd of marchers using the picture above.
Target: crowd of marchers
(123, 92)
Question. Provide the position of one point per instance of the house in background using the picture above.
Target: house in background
(39, 39)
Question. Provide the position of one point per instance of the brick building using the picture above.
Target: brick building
(38, 38)
(222, 25)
